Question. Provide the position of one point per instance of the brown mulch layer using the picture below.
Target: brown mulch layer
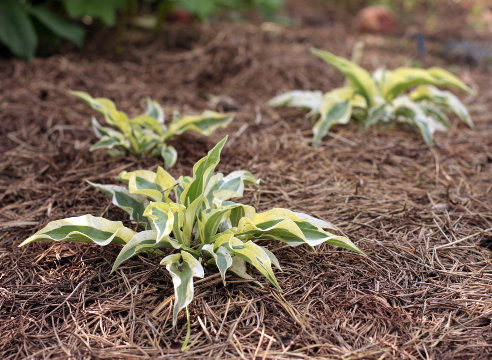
(423, 215)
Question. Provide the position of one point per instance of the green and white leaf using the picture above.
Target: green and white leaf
(133, 204)
(445, 78)
(403, 78)
(310, 100)
(182, 274)
(162, 217)
(409, 111)
(144, 241)
(204, 124)
(222, 257)
(443, 98)
(256, 256)
(155, 185)
(336, 108)
(107, 108)
(360, 78)
(154, 110)
(86, 228)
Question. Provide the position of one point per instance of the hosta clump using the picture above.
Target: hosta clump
(147, 133)
(196, 221)
(382, 97)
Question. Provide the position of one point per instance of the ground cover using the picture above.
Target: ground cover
(422, 214)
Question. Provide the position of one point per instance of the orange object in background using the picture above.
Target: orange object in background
(376, 20)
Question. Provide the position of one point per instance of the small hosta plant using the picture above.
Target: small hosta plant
(194, 223)
(146, 134)
(383, 96)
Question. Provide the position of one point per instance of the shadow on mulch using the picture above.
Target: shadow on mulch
(418, 212)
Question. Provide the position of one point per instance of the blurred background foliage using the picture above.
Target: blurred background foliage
(25, 25)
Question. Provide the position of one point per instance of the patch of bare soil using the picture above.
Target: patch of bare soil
(420, 213)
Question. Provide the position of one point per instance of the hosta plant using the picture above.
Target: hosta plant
(147, 133)
(193, 223)
(383, 96)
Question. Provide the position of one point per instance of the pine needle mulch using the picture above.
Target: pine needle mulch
(423, 215)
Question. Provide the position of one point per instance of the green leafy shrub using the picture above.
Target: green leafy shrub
(147, 133)
(205, 9)
(195, 219)
(382, 97)
(22, 25)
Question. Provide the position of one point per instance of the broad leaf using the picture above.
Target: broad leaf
(413, 113)
(86, 228)
(144, 241)
(155, 185)
(222, 258)
(204, 124)
(182, 274)
(256, 256)
(336, 108)
(310, 100)
(16, 29)
(107, 108)
(59, 26)
(154, 110)
(443, 98)
(359, 77)
(162, 216)
(133, 204)
(403, 78)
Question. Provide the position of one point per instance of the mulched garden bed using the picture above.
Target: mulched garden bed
(422, 214)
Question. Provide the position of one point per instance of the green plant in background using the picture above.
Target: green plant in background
(146, 134)
(194, 218)
(22, 25)
(382, 97)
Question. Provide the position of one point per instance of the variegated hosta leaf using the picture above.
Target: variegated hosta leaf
(144, 241)
(435, 112)
(162, 216)
(86, 228)
(148, 122)
(109, 138)
(168, 154)
(221, 188)
(382, 112)
(154, 110)
(202, 172)
(238, 268)
(360, 78)
(286, 226)
(108, 109)
(403, 78)
(155, 185)
(315, 221)
(336, 108)
(380, 76)
(445, 99)
(204, 124)
(182, 273)
(256, 256)
(210, 221)
(222, 257)
(310, 100)
(414, 113)
(133, 204)
(445, 78)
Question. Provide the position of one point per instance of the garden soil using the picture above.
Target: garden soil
(422, 214)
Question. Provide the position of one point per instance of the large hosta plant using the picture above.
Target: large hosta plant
(194, 223)
(147, 133)
(384, 96)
